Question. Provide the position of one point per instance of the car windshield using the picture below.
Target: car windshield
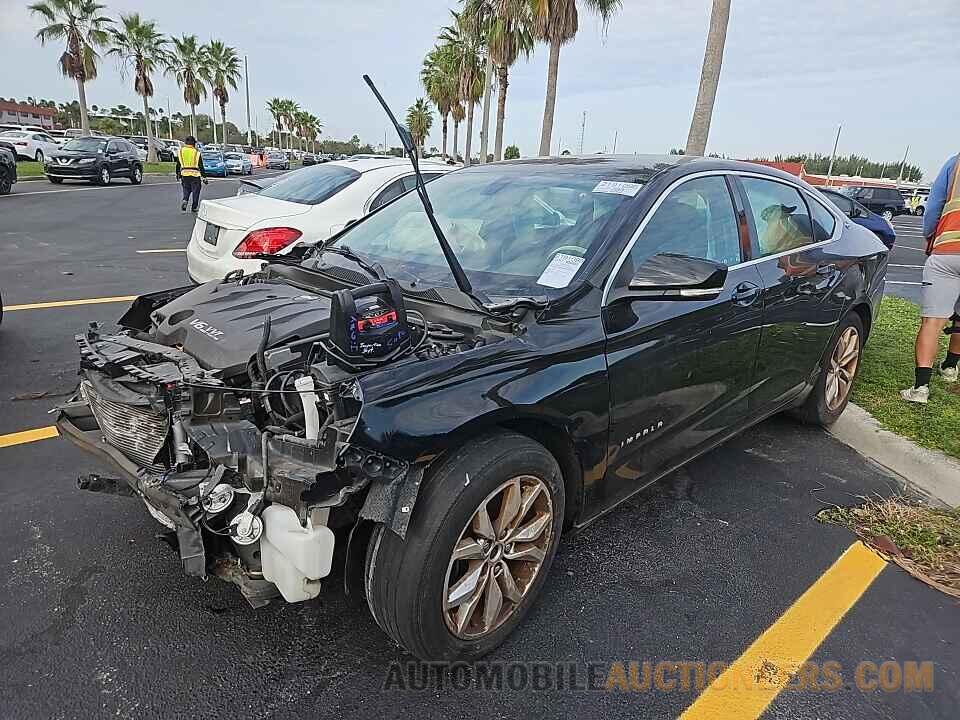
(312, 185)
(517, 230)
(85, 144)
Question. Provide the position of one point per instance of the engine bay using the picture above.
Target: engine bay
(231, 406)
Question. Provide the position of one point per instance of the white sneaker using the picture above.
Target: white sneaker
(950, 375)
(916, 395)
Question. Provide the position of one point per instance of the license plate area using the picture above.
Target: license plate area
(211, 233)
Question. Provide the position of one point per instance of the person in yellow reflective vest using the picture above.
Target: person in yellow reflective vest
(940, 295)
(190, 173)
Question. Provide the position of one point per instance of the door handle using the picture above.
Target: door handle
(746, 293)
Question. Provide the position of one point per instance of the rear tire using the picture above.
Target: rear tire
(832, 390)
(408, 581)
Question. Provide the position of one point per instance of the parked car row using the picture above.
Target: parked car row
(862, 216)
(885, 201)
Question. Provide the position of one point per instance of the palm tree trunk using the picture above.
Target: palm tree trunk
(485, 124)
(151, 150)
(193, 121)
(501, 111)
(456, 132)
(466, 151)
(550, 102)
(223, 117)
(444, 155)
(709, 78)
(84, 118)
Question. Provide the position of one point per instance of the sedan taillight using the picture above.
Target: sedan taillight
(266, 241)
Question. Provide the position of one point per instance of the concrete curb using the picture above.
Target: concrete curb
(35, 178)
(932, 472)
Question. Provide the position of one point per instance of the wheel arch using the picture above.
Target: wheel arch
(863, 309)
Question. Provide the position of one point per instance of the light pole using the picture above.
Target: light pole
(834, 155)
(246, 81)
(169, 120)
(902, 164)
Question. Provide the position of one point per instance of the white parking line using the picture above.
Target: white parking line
(898, 246)
(888, 265)
(170, 250)
(902, 282)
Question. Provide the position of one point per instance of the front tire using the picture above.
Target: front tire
(477, 551)
(839, 367)
(919, 211)
(888, 215)
(39, 156)
(136, 176)
(103, 176)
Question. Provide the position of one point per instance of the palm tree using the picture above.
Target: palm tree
(275, 108)
(222, 72)
(187, 66)
(709, 78)
(439, 78)
(556, 22)
(457, 113)
(464, 43)
(419, 122)
(510, 35)
(140, 47)
(290, 110)
(84, 29)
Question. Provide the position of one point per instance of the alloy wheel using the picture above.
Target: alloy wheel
(497, 557)
(888, 215)
(842, 368)
(104, 176)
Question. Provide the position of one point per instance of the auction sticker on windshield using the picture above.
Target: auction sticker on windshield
(618, 188)
(560, 271)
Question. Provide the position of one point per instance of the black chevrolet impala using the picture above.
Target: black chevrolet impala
(421, 405)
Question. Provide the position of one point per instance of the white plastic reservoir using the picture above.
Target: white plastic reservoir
(294, 557)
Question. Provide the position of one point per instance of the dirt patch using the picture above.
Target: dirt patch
(922, 540)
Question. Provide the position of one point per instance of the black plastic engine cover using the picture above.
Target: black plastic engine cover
(221, 324)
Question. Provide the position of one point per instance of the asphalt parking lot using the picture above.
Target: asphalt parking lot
(906, 261)
(721, 560)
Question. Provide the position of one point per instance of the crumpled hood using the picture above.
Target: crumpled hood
(221, 324)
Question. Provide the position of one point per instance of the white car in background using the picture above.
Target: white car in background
(30, 144)
(307, 205)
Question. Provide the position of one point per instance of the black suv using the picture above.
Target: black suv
(95, 159)
(8, 170)
(883, 201)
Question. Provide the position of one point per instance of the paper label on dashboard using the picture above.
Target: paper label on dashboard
(618, 188)
(560, 271)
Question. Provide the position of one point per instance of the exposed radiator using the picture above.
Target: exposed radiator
(139, 433)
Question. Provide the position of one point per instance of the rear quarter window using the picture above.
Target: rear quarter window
(824, 222)
(312, 185)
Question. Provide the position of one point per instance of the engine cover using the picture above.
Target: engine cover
(220, 324)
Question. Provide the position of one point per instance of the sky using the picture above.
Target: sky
(793, 71)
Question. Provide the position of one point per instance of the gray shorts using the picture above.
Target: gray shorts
(941, 286)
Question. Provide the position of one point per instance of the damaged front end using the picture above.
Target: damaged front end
(252, 470)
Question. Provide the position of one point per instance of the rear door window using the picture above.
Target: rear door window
(780, 216)
(824, 221)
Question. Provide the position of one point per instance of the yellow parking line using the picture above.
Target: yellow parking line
(28, 436)
(745, 689)
(68, 303)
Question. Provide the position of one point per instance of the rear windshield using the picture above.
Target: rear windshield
(312, 185)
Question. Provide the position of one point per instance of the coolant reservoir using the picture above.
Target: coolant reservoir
(294, 557)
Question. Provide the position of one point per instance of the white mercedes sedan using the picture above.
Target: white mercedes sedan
(306, 205)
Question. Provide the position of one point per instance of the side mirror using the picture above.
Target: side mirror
(668, 276)
(855, 213)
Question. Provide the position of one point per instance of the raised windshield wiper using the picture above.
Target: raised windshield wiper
(451, 257)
